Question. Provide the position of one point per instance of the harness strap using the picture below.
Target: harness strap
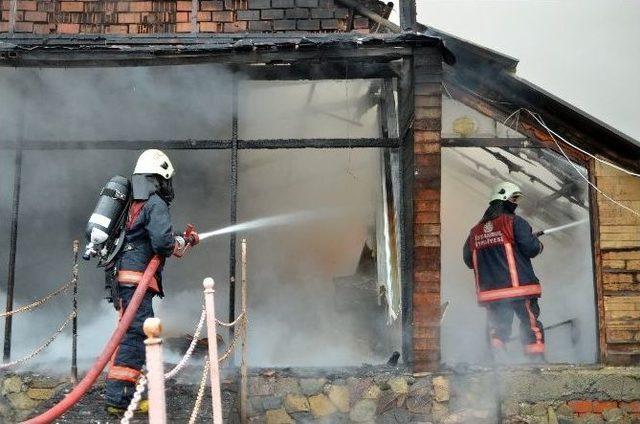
(118, 195)
(134, 212)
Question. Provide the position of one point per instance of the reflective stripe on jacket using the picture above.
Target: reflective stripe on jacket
(500, 251)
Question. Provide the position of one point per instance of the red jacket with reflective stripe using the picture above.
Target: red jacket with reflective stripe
(500, 252)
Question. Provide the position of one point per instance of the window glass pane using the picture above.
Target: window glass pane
(312, 281)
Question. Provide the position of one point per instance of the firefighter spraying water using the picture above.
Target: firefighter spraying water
(131, 225)
(499, 249)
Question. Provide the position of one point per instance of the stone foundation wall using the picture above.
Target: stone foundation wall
(559, 394)
(550, 395)
(20, 394)
(343, 397)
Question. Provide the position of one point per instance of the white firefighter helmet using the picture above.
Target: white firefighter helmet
(154, 161)
(505, 191)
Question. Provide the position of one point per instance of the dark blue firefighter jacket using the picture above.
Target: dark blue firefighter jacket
(151, 233)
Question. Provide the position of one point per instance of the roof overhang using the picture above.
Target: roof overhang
(490, 77)
(243, 49)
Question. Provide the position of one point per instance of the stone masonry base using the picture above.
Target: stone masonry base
(549, 395)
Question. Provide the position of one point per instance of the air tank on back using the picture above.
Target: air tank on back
(105, 223)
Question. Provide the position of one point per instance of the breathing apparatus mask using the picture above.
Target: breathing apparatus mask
(510, 206)
(144, 185)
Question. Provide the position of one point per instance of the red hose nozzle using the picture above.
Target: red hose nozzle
(190, 235)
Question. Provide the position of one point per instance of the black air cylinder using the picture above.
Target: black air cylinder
(108, 212)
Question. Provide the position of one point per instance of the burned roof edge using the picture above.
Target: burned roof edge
(15, 47)
(508, 93)
(474, 59)
(469, 52)
(575, 110)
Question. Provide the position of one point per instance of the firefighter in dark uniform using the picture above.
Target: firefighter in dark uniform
(499, 250)
(148, 232)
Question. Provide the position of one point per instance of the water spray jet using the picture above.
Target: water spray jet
(561, 227)
(283, 219)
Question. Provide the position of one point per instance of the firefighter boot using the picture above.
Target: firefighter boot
(143, 408)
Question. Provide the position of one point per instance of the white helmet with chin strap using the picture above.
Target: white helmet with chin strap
(505, 191)
(154, 161)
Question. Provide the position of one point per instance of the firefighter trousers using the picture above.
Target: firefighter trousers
(129, 358)
(500, 317)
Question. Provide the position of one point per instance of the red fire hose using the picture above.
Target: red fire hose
(95, 371)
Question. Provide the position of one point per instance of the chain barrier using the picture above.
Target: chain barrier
(142, 381)
(236, 336)
(43, 346)
(135, 400)
(203, 384)
(230, 324)
(241, 320)
(192, 346)
(45, 299)
(196, 336)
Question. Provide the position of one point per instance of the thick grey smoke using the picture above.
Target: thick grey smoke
(60, 188)
(291, 268)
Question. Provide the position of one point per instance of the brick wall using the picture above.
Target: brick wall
(166, 16)
(426, 209)
(620, 264)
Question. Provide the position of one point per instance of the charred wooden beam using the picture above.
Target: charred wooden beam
(77, 50)
(11, 274)
(291, 143)
(598, 276)
(233, 208)
(87, 50)
(491, 142)
(318, 71)
(408, 16)
(76, 57)
(371, 15)
(502, 94)
(406, 113)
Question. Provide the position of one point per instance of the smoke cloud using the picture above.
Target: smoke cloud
(564, 268)
(293, 318)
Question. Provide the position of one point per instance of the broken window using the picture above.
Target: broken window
(323, 290)
(554, 195)
(325, 287)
